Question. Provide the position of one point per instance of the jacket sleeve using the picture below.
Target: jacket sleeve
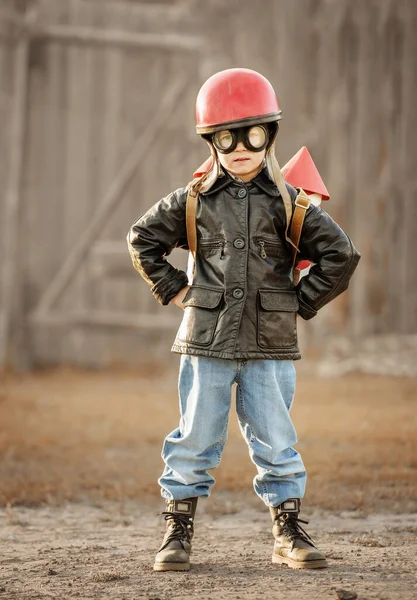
(324, 243)
(152, 238)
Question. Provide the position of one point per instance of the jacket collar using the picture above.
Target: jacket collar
(265, 183)
(262, 181)
(223, 180)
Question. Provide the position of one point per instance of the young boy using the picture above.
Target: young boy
(240, 312)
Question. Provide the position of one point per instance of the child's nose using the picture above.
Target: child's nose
(240, 146)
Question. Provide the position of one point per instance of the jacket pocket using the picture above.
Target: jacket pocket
(212, 246)
(202, 309)
(268, 247)
(276, 313)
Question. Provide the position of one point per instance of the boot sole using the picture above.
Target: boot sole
(171, 566)
(307, 564)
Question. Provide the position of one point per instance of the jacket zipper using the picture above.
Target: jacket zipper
(214, 244)
(262, 244)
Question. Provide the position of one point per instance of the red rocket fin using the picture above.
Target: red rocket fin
(300, 171)
(203, 168)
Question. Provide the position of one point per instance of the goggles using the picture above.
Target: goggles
(254, 138)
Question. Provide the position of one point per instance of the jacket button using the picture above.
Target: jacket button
(241, 193)
(239, 243)
(238, 293)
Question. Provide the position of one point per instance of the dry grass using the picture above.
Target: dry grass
(68, 435)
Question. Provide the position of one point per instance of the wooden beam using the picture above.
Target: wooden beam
(109, 259)
(116, 189)
(106, 318)
(12, 202)
(11, 17)
(87, 35)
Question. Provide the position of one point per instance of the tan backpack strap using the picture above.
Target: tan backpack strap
(302, 202)
(190, 218)
(286, 199)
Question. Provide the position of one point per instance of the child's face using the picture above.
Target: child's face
(242, 162)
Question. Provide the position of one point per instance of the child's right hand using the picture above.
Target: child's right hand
(177, 300)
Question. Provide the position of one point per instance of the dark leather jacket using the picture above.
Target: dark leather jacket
(242, 302)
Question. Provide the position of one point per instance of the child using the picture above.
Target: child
(239, 322)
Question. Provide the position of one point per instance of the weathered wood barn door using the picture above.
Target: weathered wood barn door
(99, 150)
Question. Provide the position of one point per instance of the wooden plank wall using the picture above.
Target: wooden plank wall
(12, 97)
(346, 77)
(88, 106)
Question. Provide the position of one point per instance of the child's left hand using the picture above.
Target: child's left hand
(177, 300)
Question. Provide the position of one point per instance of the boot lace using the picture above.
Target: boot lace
(291, 528)
(181, 528)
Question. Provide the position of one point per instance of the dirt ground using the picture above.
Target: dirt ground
(79, 459)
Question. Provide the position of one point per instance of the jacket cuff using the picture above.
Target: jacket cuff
(169, 286)
(305, 311)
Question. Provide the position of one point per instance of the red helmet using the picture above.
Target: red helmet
(235, 98)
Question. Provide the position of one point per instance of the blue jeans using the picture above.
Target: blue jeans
(265, 391)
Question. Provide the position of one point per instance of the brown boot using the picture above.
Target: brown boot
(293, 546)
(174, 554)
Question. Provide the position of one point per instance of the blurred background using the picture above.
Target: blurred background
(97, 123)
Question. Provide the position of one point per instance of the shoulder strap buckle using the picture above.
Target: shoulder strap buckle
(302, 200)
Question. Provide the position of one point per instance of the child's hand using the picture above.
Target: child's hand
(177, 300)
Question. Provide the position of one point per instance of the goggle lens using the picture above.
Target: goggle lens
(223, 139)
(257, 137)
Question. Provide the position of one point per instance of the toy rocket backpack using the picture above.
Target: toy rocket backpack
(301, 172)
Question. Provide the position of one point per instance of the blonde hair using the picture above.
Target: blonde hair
(205, 181)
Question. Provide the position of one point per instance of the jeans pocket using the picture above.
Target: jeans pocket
(276, 312)
(202, 309)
